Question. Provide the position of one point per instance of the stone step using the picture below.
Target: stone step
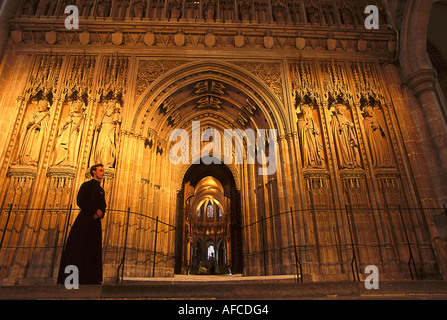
(242, 288)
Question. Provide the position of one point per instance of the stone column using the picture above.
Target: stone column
(423, 85)
(419, 76)
(7, 12)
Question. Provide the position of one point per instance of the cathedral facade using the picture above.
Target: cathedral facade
(352, 118)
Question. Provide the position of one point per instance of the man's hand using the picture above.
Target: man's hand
(98, 214)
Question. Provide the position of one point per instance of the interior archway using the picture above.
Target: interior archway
(215, 91)
(210, 216)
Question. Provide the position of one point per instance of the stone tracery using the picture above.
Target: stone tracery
(118, 108)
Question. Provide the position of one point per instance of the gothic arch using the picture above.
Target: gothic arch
(413, 51)
(185, 168)
(152, 98)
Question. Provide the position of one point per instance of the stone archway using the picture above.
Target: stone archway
(209, 88)
(220, 96)
(206, 187)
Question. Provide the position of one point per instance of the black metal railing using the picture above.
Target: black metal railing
(347, 240)
(32, 240)
(318, 241)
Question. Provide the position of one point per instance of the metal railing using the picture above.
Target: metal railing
(32, 240)
(137, 245)
(348, 239)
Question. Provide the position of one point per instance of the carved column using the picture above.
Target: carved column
(418, 75)
(8, 9)
(423, 84)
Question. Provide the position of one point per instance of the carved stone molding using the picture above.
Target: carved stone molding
(356, 173)
(421, 81)
(22, 171)
(309, 173)
(61, 171)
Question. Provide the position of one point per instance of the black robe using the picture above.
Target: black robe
(84, 244)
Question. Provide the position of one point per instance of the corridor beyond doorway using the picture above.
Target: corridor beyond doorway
(208, 239)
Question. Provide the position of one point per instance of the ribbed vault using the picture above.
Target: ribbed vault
(220, 95)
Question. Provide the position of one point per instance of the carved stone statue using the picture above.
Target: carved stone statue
(104, 8)
(33, 135)
(106, 135)
(139, 9)
(312, 14)
(278, 11)
(345, 139)
(175, 10)
(311, 147)
(209, 9)
(244, 10)
(30, 7)
(376, 136)
(69, 138)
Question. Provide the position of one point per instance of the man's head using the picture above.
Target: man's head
(97, 171)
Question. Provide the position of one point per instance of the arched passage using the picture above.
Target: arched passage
(208, 89)
(220, 96)
(209, 216)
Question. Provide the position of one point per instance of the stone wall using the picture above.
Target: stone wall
(349, 148)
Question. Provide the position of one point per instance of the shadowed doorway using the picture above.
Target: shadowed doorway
(208, 237)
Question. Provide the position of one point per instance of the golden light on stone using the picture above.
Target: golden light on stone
(357, 144)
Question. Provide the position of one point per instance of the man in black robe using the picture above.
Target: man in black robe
(84, 244)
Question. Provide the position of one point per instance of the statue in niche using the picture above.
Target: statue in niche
(311, 146)
(175, 10)
(106, 135)
(376, 136)
(345, 13)
(278, 11)
(244, 10)
(69, 137)
(345, 139)
(209, 9)
(104, 8)
(139, 9)
(312, 14)
(30, 7)
(34, 133)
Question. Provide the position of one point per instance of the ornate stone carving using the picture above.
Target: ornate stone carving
(70, 134)
(345, 139)
(106, 135)
(114, 77)
(335, 85)
(269, 73)
(311, 147)
(317, 187)
(209, 10)
(377, 139)
(33, 134)
(104, 8)
(304, 89)
(149, 70)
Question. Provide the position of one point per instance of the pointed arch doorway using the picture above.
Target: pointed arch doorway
(208, 236)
